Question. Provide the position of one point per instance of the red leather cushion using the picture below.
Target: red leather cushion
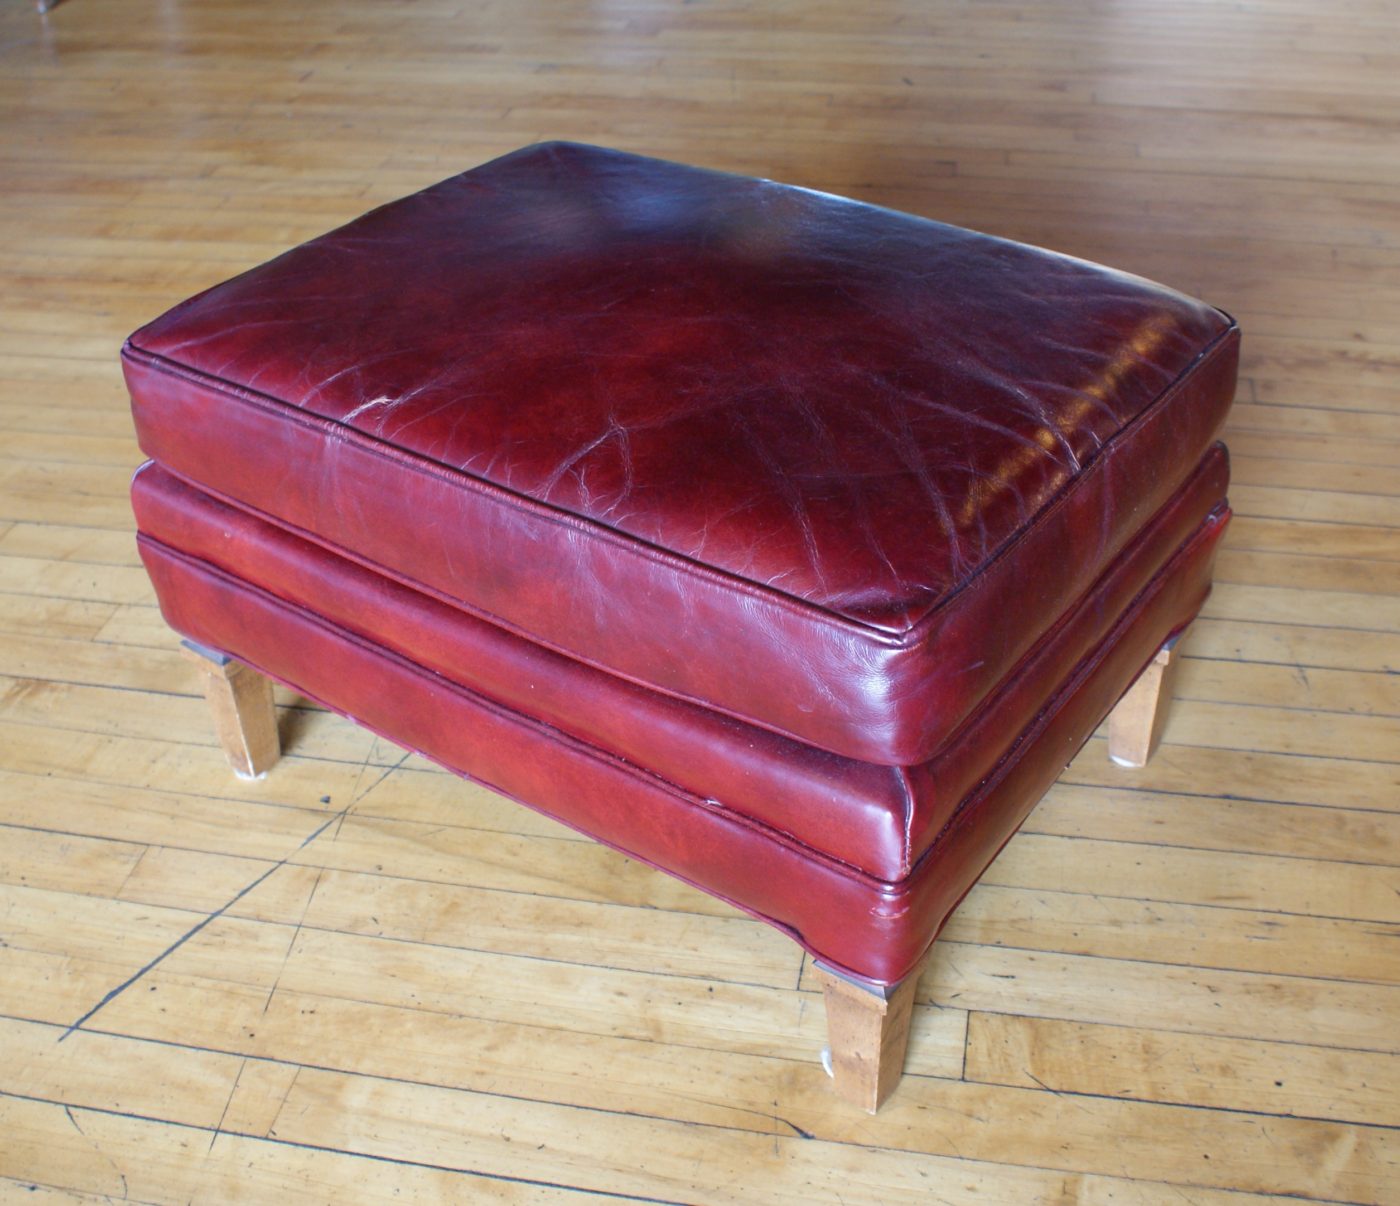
(822, 466)
(879, 819)
(854, 921)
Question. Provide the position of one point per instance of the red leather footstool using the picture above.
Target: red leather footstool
(790, 544)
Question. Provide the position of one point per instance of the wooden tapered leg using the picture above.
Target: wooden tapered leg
(1135, 725)
(868, 1032)
(244, 716)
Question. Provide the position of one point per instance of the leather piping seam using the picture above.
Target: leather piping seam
(636, 546)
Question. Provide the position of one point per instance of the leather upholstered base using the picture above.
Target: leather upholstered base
(871, 926)
(878, 819)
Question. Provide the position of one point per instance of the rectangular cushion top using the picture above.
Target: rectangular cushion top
(849, 405)
(802, 400)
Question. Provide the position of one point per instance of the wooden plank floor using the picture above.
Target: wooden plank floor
(362, 979)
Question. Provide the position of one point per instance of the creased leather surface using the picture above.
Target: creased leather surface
(859, 923)
(675, 423)
(876, 818)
